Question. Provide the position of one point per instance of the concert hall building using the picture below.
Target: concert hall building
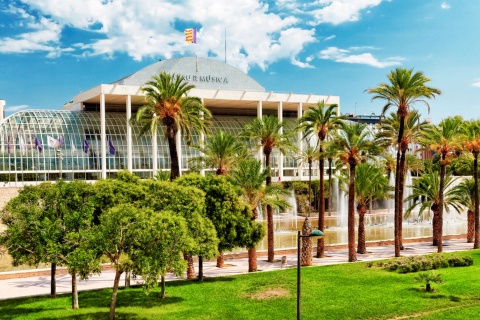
(92, 137)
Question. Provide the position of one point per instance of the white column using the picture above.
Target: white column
(300, 141)
(129, 135)
(178, 139)
(259, 116)
(280, 155)
(103, 136)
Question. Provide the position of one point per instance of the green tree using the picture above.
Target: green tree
(471, 139)
(427, 195)
(228, 213)
(320, 121)
(220, 151)
(404, 89)
(428, 278)
(189, 203)
(354, 142)
(465, 192)
(387, 136)
(267, 133)
(308, 155)
(249, 178)
(61, 231)
(370, 185)
(167, 103)
(445, 140)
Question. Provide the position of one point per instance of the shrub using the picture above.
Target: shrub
(424, 263)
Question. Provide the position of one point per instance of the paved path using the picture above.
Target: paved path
(40, 285)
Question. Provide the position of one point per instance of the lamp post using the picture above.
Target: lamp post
(314, 234)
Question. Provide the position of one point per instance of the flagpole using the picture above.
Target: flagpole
(225, 45)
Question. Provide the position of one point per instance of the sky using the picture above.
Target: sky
(51, 50)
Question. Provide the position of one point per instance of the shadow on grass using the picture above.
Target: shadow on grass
(99, 315)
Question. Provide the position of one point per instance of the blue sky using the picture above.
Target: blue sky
(51, 50)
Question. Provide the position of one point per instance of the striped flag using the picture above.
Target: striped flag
(22, 145)
(191, 35)
(61, 141)
(8, 144)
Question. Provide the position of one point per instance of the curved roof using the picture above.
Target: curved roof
(203, 73)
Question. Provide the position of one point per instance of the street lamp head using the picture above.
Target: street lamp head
(316, 233)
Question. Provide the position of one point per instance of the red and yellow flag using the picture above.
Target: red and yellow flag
(191, 35)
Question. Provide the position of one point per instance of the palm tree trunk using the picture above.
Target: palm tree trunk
(470, 226)
(74, 291)
(435, 228)
(402, 112)
(396, 205)
(172, 147)
(113, 303)
(307, 245)
(352, 256)
(252, 259)
(476, 243)
(190, 267)
(270, 235)
(401, 187)
(220, 260)
(330, 162)
(321, 208)
(361, 247)
(309, 187)
(440, 209)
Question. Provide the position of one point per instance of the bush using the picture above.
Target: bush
(425, 263)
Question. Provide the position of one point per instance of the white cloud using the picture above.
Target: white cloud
(345, 56)
(330, 37)
(476, 84)
(257, 34)
(445, 5)
(17, 108)
(339, 11)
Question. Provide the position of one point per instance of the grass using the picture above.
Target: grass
(346, 291)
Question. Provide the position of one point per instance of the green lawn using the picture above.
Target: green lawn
(347, 291)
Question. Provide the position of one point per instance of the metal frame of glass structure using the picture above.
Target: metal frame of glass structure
(21, 159)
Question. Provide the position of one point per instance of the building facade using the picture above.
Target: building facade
(91, 138)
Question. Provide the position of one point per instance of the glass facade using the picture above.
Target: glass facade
(25, 154)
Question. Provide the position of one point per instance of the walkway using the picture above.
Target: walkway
(40, 285)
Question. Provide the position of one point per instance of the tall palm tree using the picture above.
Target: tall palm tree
(248, 176)
(167, 103)
(428, 188)
(472, 143)
(444, 139)
(308, 155)
(320, 121)
(330, 155)
(387, 136)
(267, 133)
(220, 151)
(404, 89)
(466, 195)
(370, 185)
(354, 143)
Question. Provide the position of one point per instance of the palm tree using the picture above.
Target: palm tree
(167, 103)
(269, 132)
(444, 139)
(404, 89)
(354, 143)
(370, 185)
(387, 136)
(248, 176)
(472, 144)
(220, 151)
(330, 155)
(428, 189)
(308, 155)
(466, 196)
(320, 121)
